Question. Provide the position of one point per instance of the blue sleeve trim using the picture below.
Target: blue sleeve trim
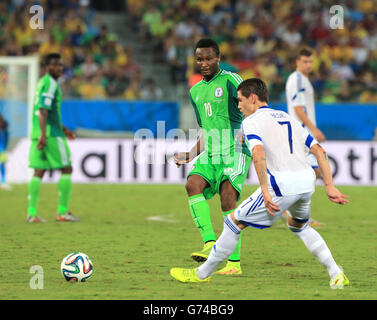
(295, 96)
(309, 140)
(253, 136)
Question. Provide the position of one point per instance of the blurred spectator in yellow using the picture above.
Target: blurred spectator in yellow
(267, 69)
(133, 91)
(328, 96)
(244, 27)
(264, 44)
(92, 89)
(369, 96)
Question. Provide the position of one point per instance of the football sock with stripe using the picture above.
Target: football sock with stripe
(236, 255)
(222, 249)
(65, 190)
(33, 195)
(317, 246)
(200, 212)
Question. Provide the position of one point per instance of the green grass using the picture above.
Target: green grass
(132, 255)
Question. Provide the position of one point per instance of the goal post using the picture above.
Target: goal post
(18, 81)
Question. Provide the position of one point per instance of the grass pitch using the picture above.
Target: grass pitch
(134, 234)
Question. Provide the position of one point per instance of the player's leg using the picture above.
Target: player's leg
(228, 198)
(37, 161)
(220, 252)
(232, 178)
(251, 212)
(65, 191)
(200, 212)
(59, 158)
(297, 222)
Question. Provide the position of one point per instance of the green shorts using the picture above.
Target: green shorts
(216, 171)
(55, 155)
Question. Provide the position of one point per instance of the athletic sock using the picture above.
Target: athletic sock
(200, 212)
(236, 255)
(317, 246)
(33, 195)
(2, 173)
(65, 190)
(222, 249)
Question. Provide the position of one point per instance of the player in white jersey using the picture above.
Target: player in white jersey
(300, 98)
(278, 144)
(301, 103)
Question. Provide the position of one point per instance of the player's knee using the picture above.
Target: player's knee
(192, 188)
(228, 201)
(227, 205)
(39, 173)
(67, 170)
(296, 226)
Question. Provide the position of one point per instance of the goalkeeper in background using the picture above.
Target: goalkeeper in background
(4, 137)
(223, 162)
(49, 149)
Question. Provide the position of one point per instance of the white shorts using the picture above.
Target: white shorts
(252, 211)
(312, 160)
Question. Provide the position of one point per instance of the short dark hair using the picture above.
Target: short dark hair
(256, 86)
(304, 53)
(208, 43)
(51, 57)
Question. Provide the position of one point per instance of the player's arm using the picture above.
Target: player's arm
(259, 160)
(42, 118)
(332, 192)
(68, 133)
(185, 157)
(301, 114)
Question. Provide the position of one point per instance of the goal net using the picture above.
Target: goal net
(18, 81)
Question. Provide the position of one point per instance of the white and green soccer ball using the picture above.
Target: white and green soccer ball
(76, 267)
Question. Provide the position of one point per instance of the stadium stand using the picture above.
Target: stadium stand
(260, 38)
(256, 38)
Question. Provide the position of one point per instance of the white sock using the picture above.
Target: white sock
(317, 246)
(222, 249)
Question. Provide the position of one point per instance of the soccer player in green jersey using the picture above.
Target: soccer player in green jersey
(224, 161)
(49, 149)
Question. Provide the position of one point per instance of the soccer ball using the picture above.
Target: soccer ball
(76, 267)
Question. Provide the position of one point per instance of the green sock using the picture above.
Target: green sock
(200, 212)
(236, 255)
(65, 190)
(33, 195)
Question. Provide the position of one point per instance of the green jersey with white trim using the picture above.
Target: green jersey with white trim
(216, 107)
(48, 96)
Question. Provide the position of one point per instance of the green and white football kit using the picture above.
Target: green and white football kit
(224, 157)
(55, 154)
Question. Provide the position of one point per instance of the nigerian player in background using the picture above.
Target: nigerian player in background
(224, 161)
(4, 138)
(49, 149)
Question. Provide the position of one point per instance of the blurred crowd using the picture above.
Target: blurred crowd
(262, 37)
(97, 66)
(256, 38)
